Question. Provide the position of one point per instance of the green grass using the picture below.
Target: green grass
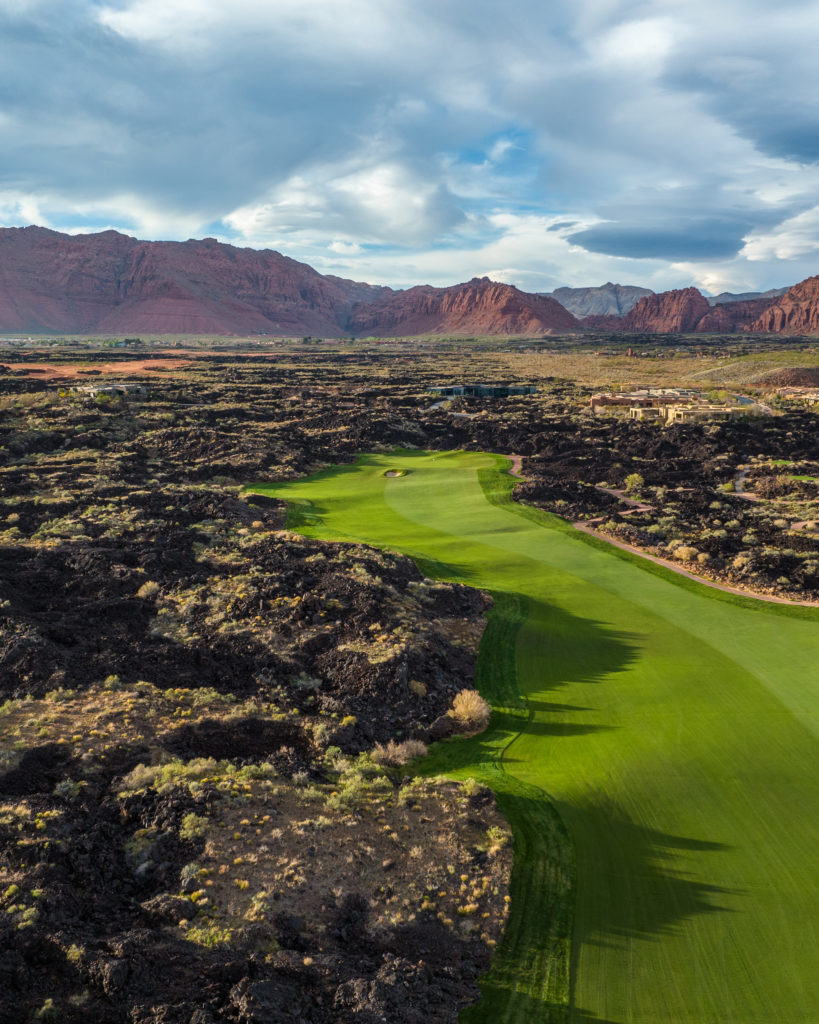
(670, 874)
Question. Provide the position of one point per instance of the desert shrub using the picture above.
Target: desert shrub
(470, 711)
(685, 553)
(193, 827)
(148, 589)
(397, 754)
(163, 778)
(471, 787)
(634, 483)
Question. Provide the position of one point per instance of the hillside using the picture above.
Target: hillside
(480, 306)
(111, 283)
(796, 312)
(685, 310)
(604, 300)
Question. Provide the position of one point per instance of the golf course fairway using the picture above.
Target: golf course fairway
(654, 748)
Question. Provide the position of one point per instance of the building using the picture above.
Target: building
(809, 396)
(692, 413)
(611, 403)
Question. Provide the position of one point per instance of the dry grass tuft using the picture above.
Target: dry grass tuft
(397, 754)
(470, 711)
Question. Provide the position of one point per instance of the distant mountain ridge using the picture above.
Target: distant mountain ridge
(723, 297)
(112, 283)
(480, 306)
(604, 300)
(687, 310)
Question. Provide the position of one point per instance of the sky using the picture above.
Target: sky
(663, 143)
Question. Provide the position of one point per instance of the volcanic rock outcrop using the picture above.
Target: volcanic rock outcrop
(480, 306)
(796, 312)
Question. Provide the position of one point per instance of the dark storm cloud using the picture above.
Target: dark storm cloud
(697, 240)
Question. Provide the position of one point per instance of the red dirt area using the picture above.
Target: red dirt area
(79, 371)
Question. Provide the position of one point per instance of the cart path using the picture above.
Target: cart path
(676, 567)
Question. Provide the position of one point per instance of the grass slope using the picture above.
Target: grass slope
(674, 729)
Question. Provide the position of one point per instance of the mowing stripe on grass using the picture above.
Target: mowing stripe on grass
(674, 728)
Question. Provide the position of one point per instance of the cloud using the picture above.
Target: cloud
(671, 142)
(699, 238)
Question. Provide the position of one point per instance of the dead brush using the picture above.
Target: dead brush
(470, 711)
(397, 754)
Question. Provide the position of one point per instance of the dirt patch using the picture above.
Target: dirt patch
(79, 371)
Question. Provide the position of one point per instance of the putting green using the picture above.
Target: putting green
(674, 729)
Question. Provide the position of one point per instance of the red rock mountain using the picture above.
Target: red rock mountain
(671, 312)
(111, 283)
(728, 317)
(796, 312)
(480, 306)
(683, 311)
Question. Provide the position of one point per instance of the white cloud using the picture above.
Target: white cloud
(389, 138)
(794, 237)
(639, 46)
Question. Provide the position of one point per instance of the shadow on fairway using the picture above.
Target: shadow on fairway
(556, 648)
(548, 708)
(652, 896)
(656, 886)
(558, 729)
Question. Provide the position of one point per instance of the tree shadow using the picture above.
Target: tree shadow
(634, 882)
(627, 884)
(629, 881)
(564, 648)
(550, 708)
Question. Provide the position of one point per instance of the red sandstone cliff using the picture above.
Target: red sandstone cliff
(796, 312)
(728, 317)
(480, 306)
(683, 311)
(111, 283)
(673, 312)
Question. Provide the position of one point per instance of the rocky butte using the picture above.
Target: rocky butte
(480, 306)
(796, 312)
